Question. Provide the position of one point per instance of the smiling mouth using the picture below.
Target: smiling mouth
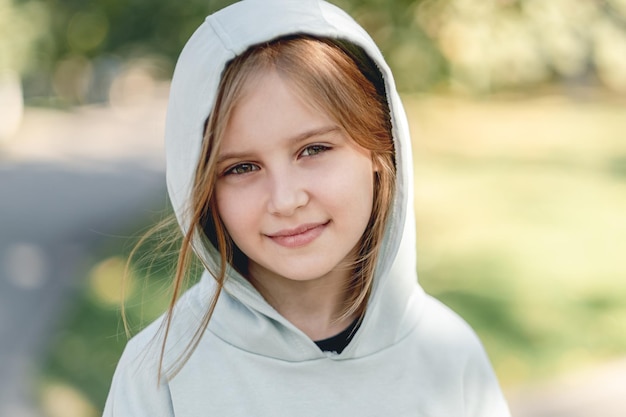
(299, 236)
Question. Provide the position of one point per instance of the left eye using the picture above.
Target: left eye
(314, 150)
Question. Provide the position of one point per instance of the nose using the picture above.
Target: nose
(287, 194)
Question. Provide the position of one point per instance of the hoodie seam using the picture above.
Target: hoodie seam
(221, 34)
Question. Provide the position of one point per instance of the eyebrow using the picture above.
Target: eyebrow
(296, 139)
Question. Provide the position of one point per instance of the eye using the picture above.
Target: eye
(313, 150)
(241, 169)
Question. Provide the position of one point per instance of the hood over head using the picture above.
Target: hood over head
(242, 317)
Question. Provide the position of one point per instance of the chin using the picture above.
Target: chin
(315, 272)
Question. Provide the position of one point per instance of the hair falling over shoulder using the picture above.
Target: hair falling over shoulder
(336, 78)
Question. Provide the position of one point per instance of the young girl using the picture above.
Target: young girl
(289, 170)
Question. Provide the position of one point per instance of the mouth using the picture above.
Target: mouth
(299, 236)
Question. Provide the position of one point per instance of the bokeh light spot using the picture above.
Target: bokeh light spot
(60, 400)
(86, 31)
(109, 281)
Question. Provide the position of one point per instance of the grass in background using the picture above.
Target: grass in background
(521, 217)
(521, 229)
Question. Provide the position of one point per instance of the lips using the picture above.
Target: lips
(299, 236)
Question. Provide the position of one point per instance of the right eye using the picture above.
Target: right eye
(241, 169)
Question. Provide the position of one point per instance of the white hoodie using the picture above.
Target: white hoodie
(411, 356)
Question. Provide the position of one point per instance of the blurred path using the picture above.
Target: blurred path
(68, 180)
(596, 392)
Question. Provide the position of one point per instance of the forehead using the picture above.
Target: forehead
(271, 106)
(301, 89)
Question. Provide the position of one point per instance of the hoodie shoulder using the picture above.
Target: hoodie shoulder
(456, 356)
(136, 390)
(444, 339)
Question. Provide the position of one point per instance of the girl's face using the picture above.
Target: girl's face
(293, 190)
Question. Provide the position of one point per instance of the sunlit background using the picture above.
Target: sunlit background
(517, 110)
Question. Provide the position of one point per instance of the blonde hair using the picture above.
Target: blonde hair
(335, 77)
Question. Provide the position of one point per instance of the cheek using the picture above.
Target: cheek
(350, 188)
(232, 208)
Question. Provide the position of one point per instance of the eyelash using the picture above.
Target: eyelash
(247, 167)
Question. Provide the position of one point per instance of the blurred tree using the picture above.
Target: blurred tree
(476, 46)
(20, 27)
(89, 41)
(125, 27)
(416, 61)
(494, 44)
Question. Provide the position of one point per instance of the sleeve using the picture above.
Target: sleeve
(135, 390)
(482, 394)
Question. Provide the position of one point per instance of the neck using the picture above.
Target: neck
(313, 306)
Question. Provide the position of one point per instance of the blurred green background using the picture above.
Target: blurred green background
(69, 51)
(517, 115)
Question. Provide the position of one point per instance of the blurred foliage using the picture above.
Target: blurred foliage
(471, 46)
(125, 27)
(480, 46)
(90, 43)
(21, 26)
